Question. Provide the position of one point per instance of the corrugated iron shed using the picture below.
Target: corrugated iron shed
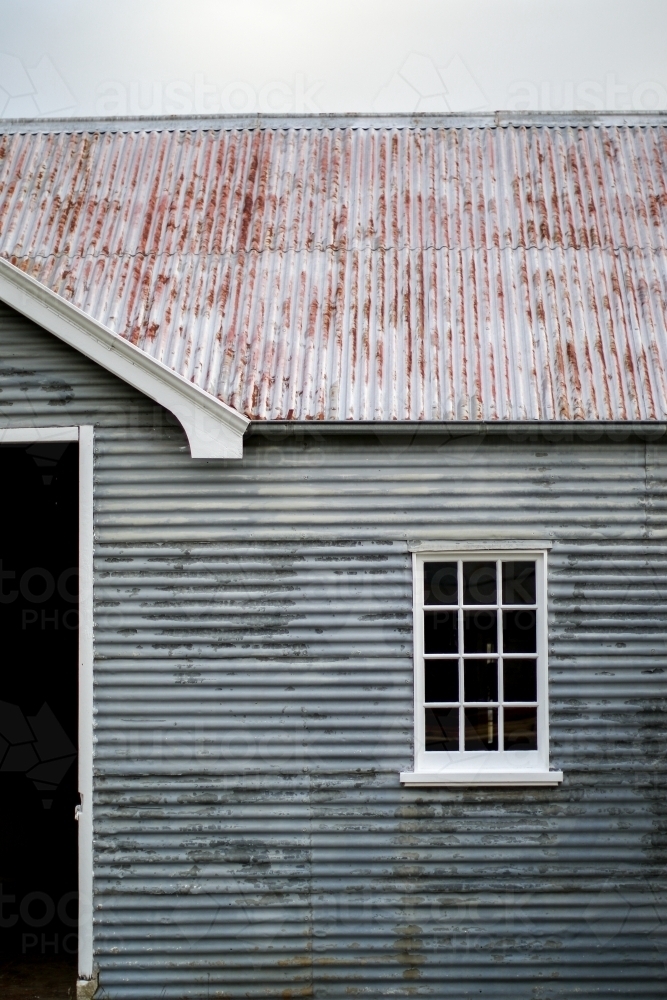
(254, 707)
(406, 271)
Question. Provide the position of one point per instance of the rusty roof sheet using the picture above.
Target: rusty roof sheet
(384, 272)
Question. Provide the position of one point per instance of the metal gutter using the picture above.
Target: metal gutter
(592, 430)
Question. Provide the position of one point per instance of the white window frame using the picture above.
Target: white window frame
(84, 434)
(481, 767)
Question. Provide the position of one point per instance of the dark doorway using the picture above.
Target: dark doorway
(38, 716)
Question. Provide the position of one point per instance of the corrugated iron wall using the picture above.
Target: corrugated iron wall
(254, 702)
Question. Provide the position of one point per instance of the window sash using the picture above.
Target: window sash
(500, 758)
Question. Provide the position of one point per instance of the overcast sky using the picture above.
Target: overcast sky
(79, 57)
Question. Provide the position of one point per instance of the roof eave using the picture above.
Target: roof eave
(214, 430)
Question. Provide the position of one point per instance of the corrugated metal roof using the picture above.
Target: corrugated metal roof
(376, 273)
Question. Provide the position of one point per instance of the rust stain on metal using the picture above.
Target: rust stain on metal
(386, 272)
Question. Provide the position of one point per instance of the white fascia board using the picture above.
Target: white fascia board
(214, 430)
(31, 435)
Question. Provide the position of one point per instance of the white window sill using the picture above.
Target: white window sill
(494, 778)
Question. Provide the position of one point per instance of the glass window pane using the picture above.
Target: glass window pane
(480, 680)
(442, 729)
(520, 680)
(518, 583)
(440, 583)
(479, 583)
(441, 680)
(480, 631)
(519, 632)
(521, 729)
(441, 631)
(481, 728)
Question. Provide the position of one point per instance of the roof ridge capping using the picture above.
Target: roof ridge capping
(214, 430)
(497, 119)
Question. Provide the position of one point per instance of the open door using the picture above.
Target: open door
(39, 694)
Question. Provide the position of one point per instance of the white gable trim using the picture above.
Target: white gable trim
(214, 430)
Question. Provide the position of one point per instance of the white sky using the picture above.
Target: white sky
(80, 57)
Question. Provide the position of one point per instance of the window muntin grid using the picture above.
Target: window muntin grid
(480, 643)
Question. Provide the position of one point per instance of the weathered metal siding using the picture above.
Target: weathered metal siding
(254, 707)
(377, 273)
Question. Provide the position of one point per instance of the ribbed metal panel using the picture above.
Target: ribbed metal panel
(253, 692)
(375, 273)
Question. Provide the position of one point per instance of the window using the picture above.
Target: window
(481, 682)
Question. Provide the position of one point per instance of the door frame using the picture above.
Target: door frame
(84, 434)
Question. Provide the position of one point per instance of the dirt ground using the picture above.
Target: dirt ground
(37, 979)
